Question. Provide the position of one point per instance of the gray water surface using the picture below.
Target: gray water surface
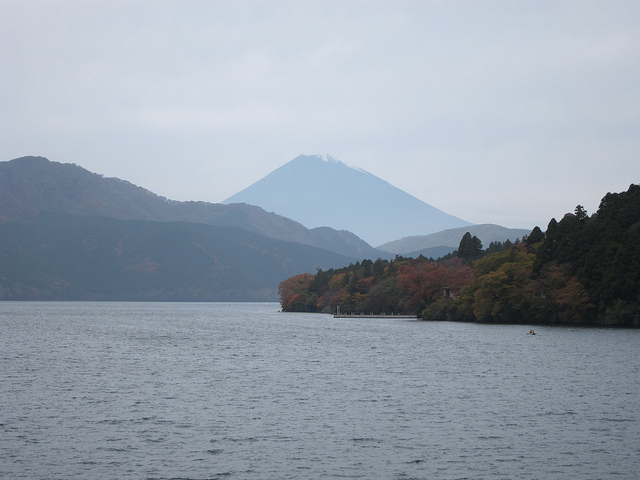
(241, 391)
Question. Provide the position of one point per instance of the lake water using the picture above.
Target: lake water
(241, 391)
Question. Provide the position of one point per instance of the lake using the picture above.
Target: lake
(242, 391)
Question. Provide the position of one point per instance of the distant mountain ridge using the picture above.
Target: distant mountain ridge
(30, 185)
(72, 257)
(321, 190)
(68, 234)
(436, 242)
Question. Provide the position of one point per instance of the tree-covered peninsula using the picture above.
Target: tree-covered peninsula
(582, 270)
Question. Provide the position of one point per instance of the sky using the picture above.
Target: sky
(506, 112)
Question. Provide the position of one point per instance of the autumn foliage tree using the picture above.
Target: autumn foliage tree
(400, 286)
(582, 270)
(294, 293)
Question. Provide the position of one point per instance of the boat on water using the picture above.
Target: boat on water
(531, 332)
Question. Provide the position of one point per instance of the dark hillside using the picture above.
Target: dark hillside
(68, 257)
(30, 185)
(602, 251)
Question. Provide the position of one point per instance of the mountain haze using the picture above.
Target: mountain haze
(320, 190)
(450, 239)
(69, 234)
(73, 257)
(30, 185)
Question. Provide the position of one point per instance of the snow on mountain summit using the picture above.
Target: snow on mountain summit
(331, 159)
(321, 190)
(328, 158)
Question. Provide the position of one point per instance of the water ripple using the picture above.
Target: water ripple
(211, 391)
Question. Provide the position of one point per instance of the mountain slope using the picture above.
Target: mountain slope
(487, 233)
(30, 185)
(320, 190)
(69, 257)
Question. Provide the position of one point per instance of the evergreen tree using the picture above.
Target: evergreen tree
(536, 236)
(378, 268)
(470, 248)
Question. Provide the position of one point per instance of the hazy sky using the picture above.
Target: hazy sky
(508, 112)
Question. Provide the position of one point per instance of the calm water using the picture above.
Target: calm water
(195, 391)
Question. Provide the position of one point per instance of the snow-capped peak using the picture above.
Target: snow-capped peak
(325, 157)
(321, 190)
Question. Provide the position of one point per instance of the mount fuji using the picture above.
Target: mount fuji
(321, 190)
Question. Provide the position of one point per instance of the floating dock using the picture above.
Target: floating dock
(361, 315)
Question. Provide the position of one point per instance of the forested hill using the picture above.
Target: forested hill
(31, 185)
(582, 270)
(71, 257)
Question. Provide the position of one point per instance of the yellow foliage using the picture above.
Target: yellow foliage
(338, 281)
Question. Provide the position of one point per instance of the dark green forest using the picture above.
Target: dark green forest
(583, 270)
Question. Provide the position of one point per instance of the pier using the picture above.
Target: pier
(362, 315)
(339, 314)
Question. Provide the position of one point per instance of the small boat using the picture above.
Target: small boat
(531, 332)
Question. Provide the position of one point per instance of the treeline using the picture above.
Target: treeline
(582, 270)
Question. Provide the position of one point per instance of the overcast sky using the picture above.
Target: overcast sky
(508, 112)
